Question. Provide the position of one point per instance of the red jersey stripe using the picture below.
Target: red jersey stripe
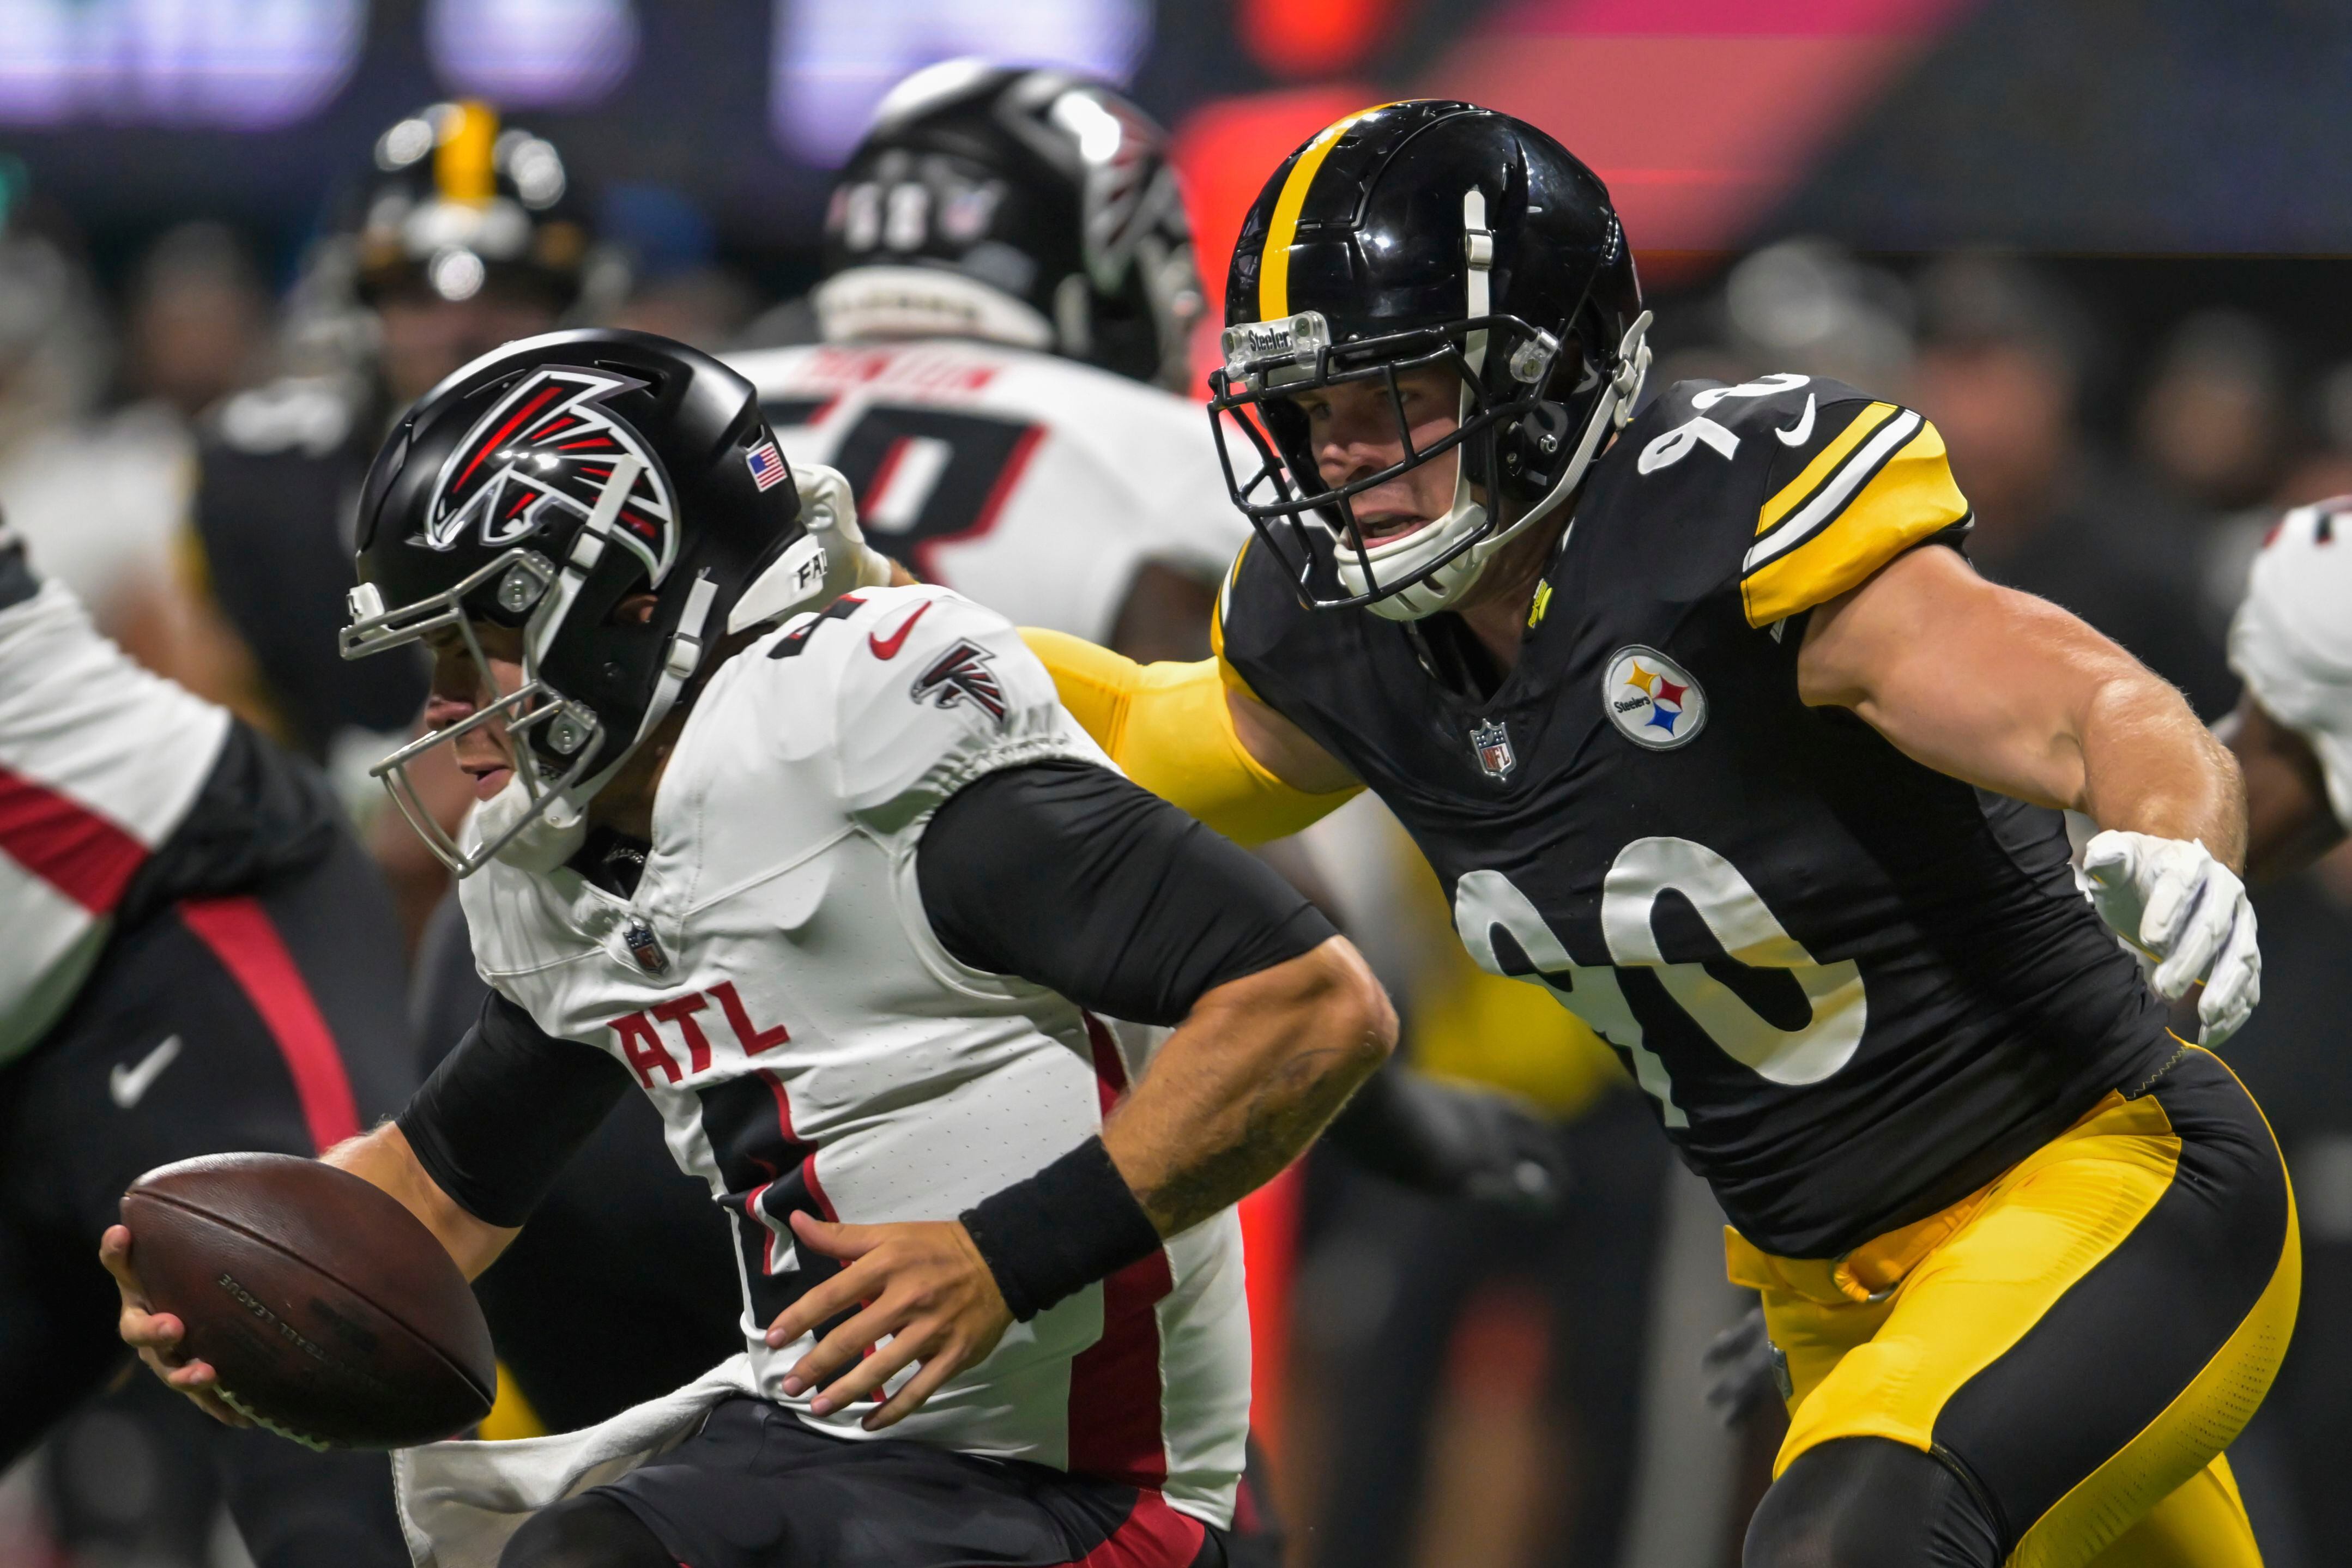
(242, 936)
(1115, 1385)
(83, 855)
(1154, 1536)
(1008, 479)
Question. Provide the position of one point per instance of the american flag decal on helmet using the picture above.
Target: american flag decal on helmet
(767, 464)
(960, 674)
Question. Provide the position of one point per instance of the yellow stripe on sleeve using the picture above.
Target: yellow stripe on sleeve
(1825, 461)
(1910, 498)
(1274, 261)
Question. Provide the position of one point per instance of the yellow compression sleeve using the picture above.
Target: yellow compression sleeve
(1167, 726)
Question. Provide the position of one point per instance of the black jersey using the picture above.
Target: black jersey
(1854, 989)
(278, 485)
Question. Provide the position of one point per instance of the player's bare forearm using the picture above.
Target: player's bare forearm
(385, 1159)
(2150, 768)
(2289, 820)
(1242, 1087)
(1248, 1080)
(2013, 694)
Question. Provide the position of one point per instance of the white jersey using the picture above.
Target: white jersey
(99, 762)
(1034, 484)
(774, 987)
(2292, 640)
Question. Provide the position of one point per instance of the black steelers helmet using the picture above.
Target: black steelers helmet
(535, 489)
(457, 202)
(1418, 234)
(1031, 207)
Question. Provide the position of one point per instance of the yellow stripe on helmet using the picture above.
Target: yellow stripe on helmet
(1273, 262)
(463, 162)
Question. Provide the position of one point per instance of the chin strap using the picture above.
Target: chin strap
(679, 661)
(679, 665)
(587, 550)
(1615, 413)
(1632, 369)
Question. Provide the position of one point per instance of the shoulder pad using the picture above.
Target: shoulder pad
(311, 414)
(927, 691)
(1822, 484)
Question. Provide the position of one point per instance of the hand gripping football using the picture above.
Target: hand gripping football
(331, 1315)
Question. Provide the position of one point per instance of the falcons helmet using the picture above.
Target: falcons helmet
(537, 489)
(1030, 207)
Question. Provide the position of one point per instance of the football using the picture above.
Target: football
(331, 1315)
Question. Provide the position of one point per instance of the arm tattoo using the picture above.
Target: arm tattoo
(1276, 1124)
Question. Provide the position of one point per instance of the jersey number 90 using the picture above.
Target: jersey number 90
(1750, 936)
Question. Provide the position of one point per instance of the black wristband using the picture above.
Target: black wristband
(1060, 1230)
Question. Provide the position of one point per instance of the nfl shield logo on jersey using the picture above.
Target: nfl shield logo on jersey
(646, 948)
(1492, 742)
(1652, 700)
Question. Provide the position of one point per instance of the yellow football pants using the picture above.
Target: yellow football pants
(2080, 1339)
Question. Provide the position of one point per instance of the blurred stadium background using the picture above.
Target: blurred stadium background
(2101, 244)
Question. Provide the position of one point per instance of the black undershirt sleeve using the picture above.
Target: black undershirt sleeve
(1069, 876)
(498, 1117)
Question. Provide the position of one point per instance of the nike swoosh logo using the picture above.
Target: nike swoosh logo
(888, 647)
(127, 1082)
(1798, 432)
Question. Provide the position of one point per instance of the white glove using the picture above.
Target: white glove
(2173, 900)
(830, 512)
(831, 561)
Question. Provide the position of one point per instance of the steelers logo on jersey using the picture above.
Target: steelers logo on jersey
(1651, 699)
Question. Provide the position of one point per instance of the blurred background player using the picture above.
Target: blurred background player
(464, 234)
(2292, 730)
(198, 958)
(1007, 317)
(2292, 645)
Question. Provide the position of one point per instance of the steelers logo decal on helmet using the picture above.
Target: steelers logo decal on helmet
(1651, 699)
(549, 443)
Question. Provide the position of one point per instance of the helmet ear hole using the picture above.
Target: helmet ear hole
(1537, 443)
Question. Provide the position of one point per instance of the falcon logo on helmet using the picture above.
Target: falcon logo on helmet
(1128, 190)
(550, 444)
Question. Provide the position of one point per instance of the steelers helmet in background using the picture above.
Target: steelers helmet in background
(1036, 208)
(1425, 234)
(457, 203)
